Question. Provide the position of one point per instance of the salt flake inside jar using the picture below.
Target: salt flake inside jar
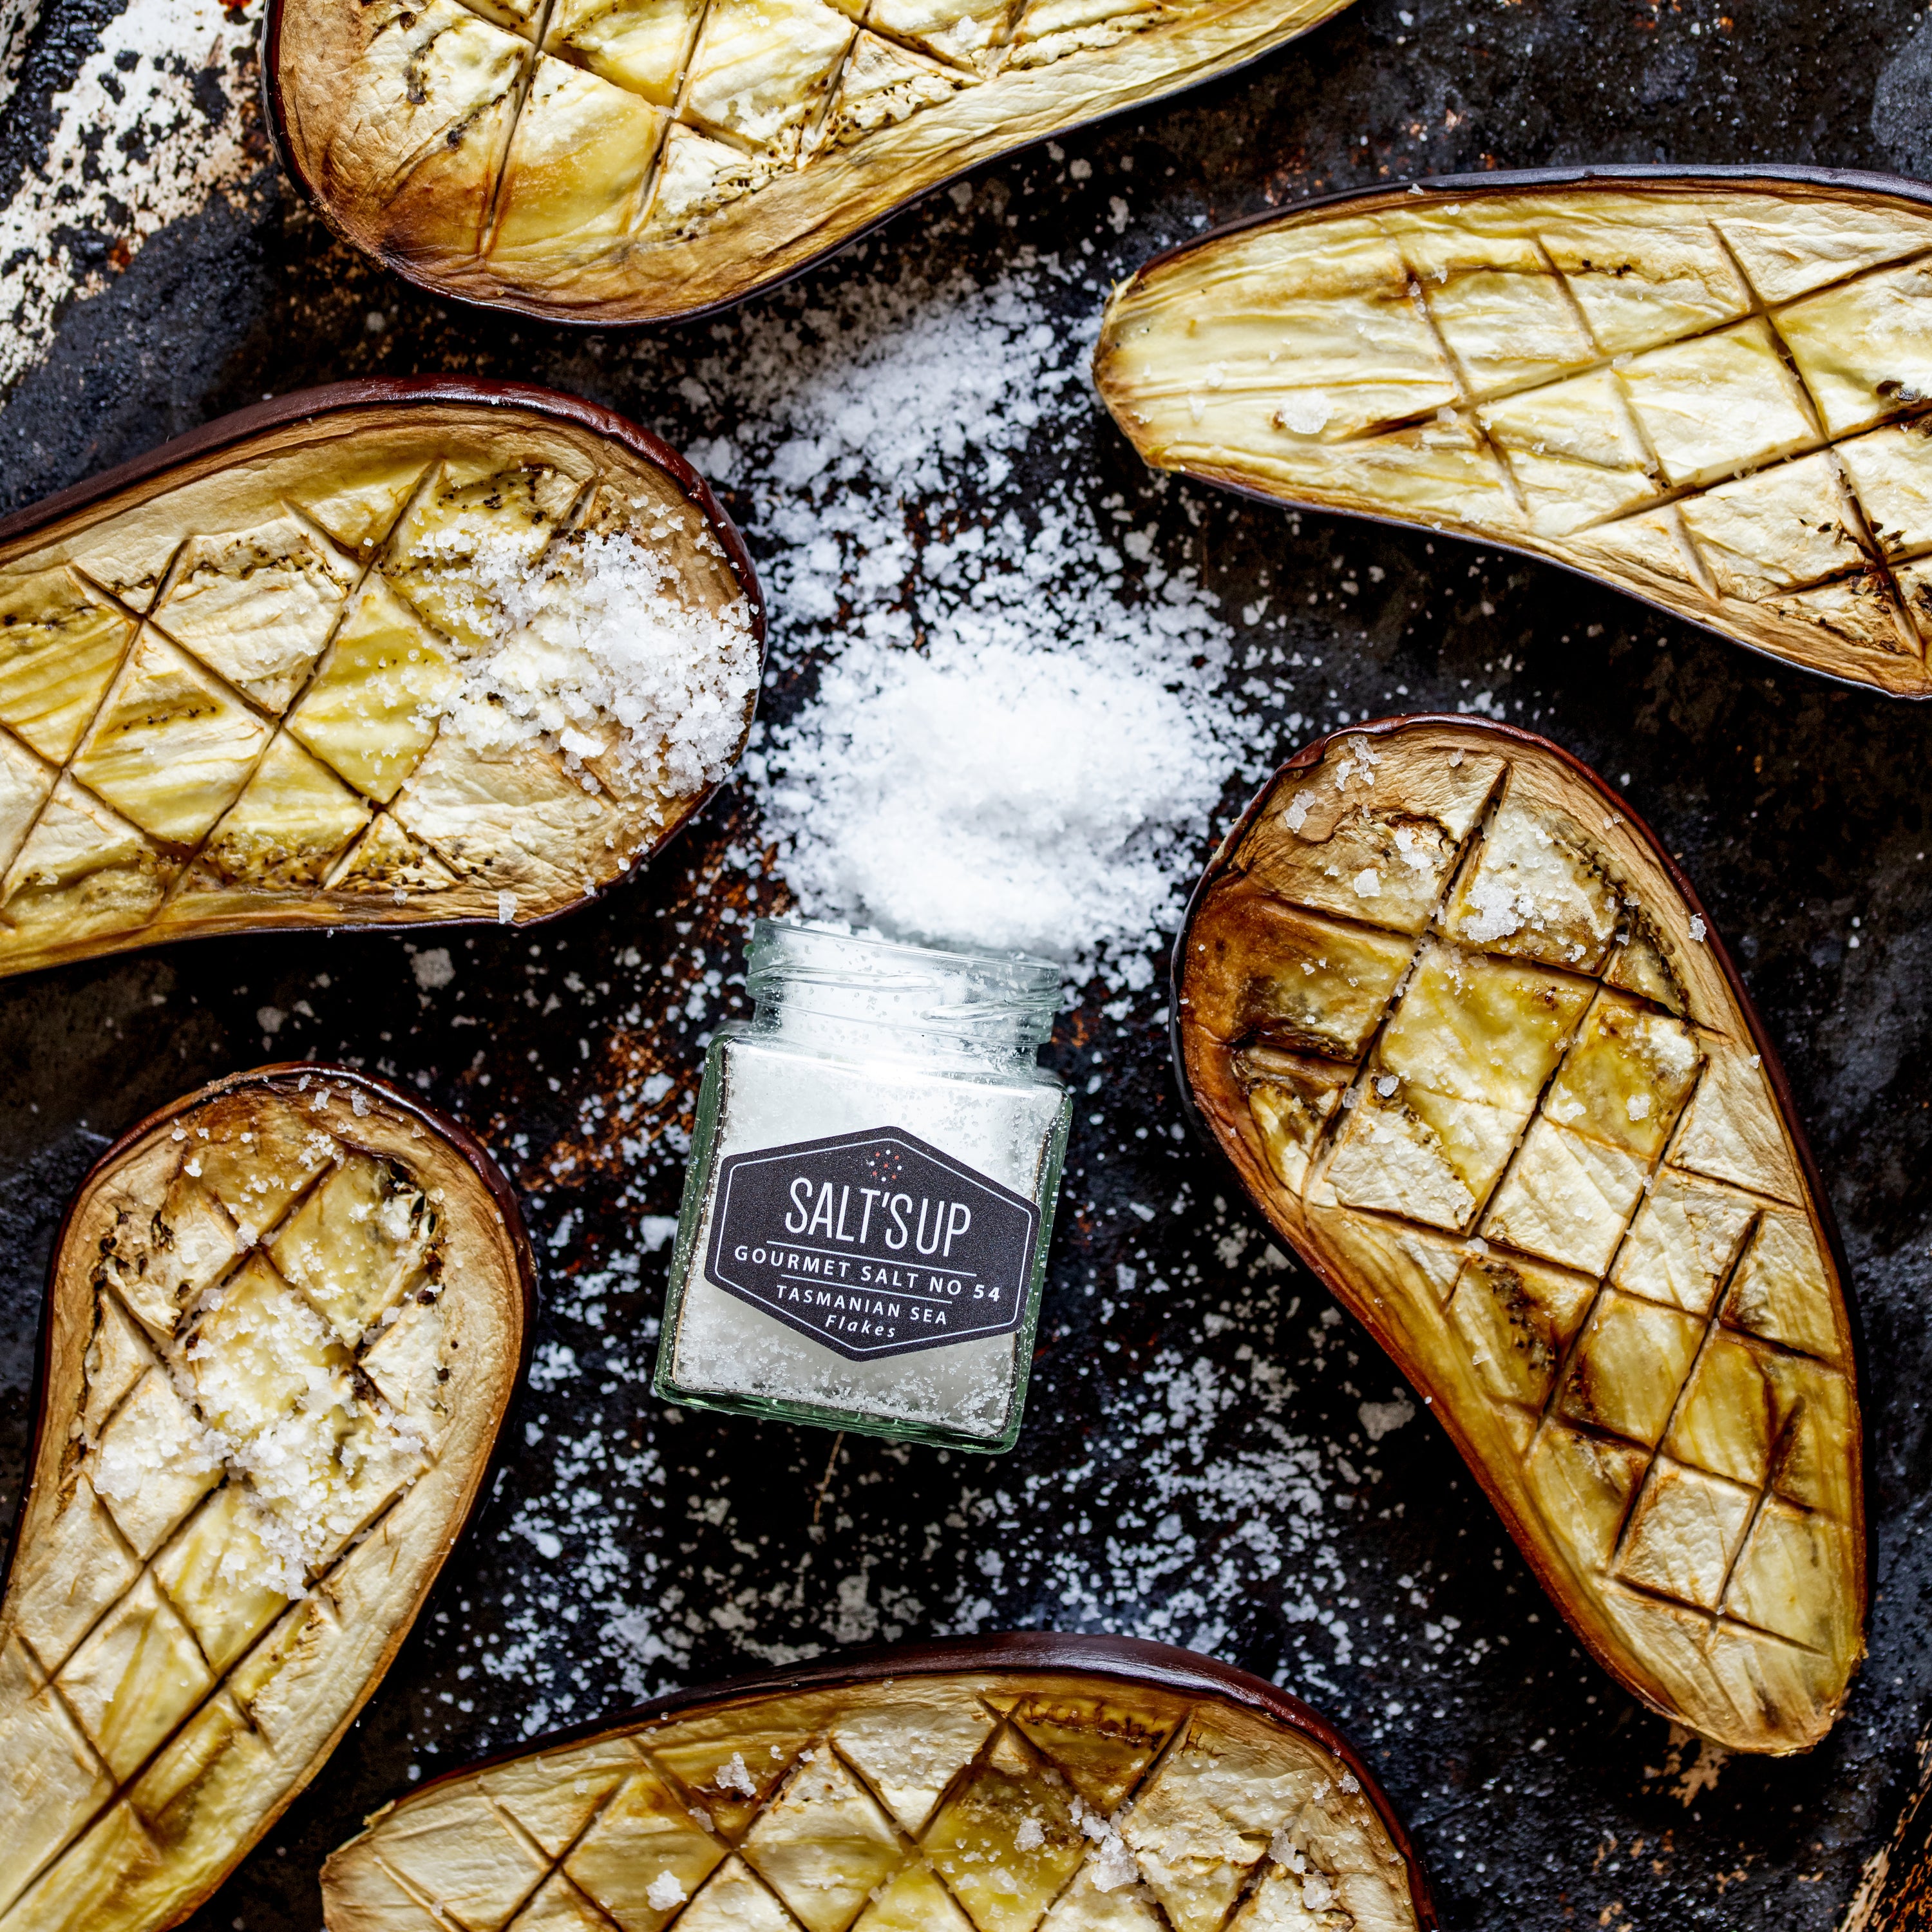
(863, 1235)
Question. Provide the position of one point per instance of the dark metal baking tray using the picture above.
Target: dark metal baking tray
(1195, 1465)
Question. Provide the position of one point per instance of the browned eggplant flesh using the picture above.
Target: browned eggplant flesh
(286, 1319)
(1715, 393)
(968, 1800)
(632, 160)
(406, 657)
(1477, 1055)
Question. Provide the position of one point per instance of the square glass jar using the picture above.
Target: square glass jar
(863, 1235)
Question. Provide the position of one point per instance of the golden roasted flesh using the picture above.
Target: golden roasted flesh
(632, 160)
(1713, 393)
(287, 1316)
(224, 670)
(1477, 1056)
(999, 1785)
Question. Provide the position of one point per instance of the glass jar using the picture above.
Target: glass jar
(864, 1229)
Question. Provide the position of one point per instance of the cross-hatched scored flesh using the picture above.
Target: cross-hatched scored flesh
(632, 161)
(1713, 394)
(252, 730)
(981, 1801)
(287, 1317)
(1548, 1168)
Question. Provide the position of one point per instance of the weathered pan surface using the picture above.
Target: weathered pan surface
(633, 161)
(1712, 391)
(1073, 1784)
(285, 1320)
(1474, 1052)
(223, 671)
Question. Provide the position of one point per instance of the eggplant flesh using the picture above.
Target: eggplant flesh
(946, 1795)
(228, 679)
(1476, 1054)
(637, 160)
(285, 1319)
(1713, 392)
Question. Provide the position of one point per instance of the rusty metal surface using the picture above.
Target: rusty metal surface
(1196, 1464)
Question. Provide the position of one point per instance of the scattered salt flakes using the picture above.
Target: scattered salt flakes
(1638, 1106)
(664, 1893)
(433, 968)
(1383, 1418)
(1030, 1837)
(1304, 415)
(1386, 1084)
(176, 1444)
(656, 1231)
(1010, 742)
(1296, 816)
(1411, 851)
(1112, 1865)
(1050, 802)
(506, 906)
(1367, 882)
(1498, 911)
(597, 652)
(1698, 929)
(734, 1775)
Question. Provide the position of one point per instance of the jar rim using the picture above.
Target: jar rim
(811, 972)
(1028, 968)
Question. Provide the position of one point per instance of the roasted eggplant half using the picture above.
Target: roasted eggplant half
(378, 655)
(1476, 1053)
(1712, 388)
(639, 160)
(284, 1320)
(996, 1784)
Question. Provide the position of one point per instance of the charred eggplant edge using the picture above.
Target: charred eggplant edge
(276, 1075)
(24, 528)
(1506, 736)
(1466, 187)
(274, 119)
(1039, 1653)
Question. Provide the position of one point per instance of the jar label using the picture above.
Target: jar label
(874, 1244)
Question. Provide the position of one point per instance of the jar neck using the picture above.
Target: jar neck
(824, 991)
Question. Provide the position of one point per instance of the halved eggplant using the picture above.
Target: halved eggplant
(991, 1784)
(640, 161)
(285, 1318)
(345, 658)
(1475, 1052)
(1711, 387)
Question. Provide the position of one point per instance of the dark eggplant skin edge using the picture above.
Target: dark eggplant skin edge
(38, 520)
(1465, 188)
(1508, 736)
(283, 1074)
(1163, 1666)
(273, 119)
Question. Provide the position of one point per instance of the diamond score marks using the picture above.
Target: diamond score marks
(872, 1243)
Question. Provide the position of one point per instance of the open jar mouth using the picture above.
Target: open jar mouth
(815, 982)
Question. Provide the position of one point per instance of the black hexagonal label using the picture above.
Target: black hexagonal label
(874, 1244)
